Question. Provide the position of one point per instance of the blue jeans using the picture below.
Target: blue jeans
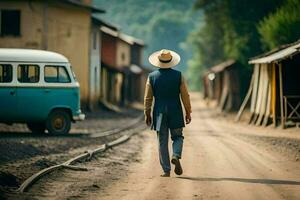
(163, 140)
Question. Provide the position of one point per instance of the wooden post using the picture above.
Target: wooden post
(281, 97)
(273, 96)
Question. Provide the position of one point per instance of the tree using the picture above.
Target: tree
(281, 27)
(230, 30)
(161, 24)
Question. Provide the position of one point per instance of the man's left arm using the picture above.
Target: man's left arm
(148, 99)
(185, 97)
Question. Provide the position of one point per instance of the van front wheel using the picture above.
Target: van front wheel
(37, 128)
(58, 122)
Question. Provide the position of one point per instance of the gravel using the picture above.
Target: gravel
(24, 153)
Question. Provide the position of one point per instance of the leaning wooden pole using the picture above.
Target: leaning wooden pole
(246, 99)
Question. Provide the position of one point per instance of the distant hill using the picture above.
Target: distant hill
(161, 24)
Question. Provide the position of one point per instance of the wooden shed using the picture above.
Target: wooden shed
(222, 83)
(274, 92)
(122, 79)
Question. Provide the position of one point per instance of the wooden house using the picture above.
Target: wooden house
(121, 72)
(60, 26)
(111, 74)
(134, 82)
(274, 92)
(222, 84)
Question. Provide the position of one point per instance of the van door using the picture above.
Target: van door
(57, 90)
(8, 94)
(30, 93)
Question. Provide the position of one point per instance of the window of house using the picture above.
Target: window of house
(28, 73)
(5, 73)
(56, 74)
(10, 22)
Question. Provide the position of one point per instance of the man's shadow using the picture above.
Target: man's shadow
(243, 180)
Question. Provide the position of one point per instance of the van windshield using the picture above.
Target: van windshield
(73, 74)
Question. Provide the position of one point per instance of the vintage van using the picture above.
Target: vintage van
(38, 88)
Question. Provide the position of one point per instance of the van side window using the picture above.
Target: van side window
(28, 73)
(56, 74)
(5, 73)
(73, 74)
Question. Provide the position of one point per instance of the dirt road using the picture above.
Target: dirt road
(220, 161)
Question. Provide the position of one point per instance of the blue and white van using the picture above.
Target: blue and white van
(38, 88)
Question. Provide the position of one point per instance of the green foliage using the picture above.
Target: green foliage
(281, 27)
(229, 31)
(161, 24)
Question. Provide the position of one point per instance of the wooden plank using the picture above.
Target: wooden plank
(268, 103)
(245, 101)
(254, 93)
(255, 88)
(263, 94)
(229, 102)
(224, 95)
(259, 94)
(268, 106)
(281, 96)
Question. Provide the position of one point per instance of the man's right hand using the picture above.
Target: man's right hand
(188, 118)
(148, 120)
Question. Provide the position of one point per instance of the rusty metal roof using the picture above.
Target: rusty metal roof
(131, 40)
(86, 6)
(220, 67)
(278, 54)
(100, 22)
(109, 31)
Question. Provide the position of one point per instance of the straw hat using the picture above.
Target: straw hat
(164, 58)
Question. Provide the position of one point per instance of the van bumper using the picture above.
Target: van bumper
(79, 117)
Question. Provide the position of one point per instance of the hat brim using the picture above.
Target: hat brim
(153, 59)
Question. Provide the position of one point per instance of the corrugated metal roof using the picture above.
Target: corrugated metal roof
(220, 67)
(278, 54)
(131, 40)
(100, 22)
(126, 38)
(109, 31)
(86, 6)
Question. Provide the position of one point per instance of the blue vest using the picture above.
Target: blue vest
(165, 85)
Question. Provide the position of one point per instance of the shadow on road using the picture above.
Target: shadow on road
(244, 180)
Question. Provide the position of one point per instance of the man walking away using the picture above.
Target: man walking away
(166, 86)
